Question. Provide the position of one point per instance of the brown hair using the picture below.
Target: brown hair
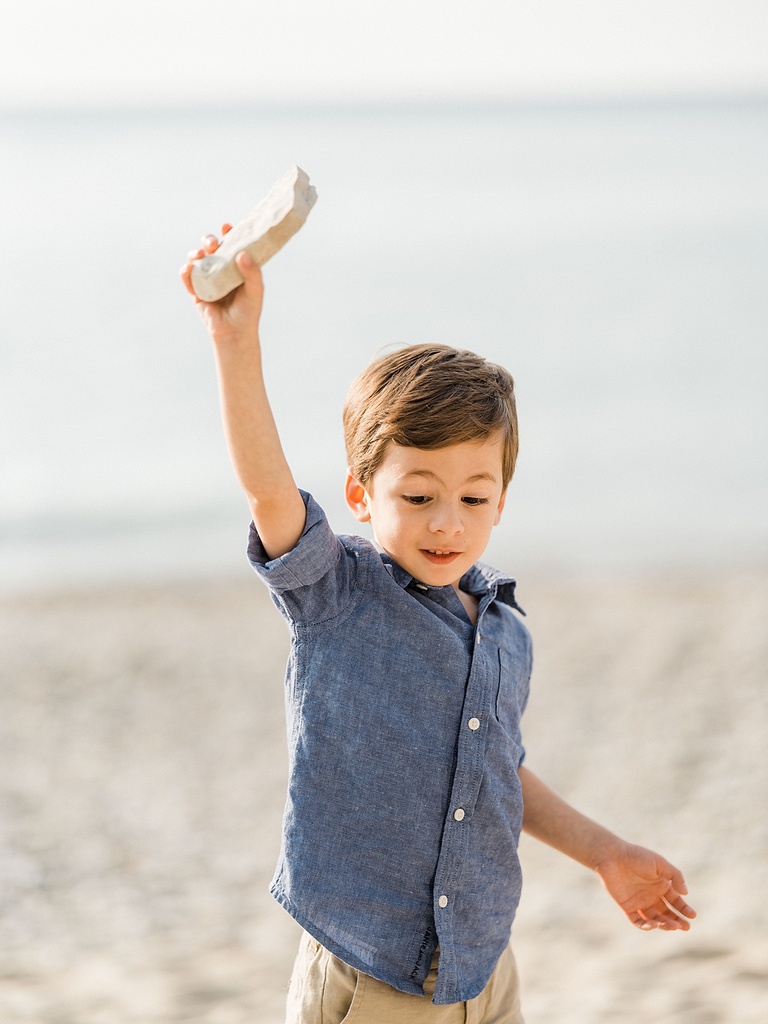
(428, 396)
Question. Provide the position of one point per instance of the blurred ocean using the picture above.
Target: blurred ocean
(614, 257)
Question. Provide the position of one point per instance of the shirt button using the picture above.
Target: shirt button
(459, 814)
(474, 724)
(443, 901)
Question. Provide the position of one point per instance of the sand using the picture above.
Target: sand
(142, 765)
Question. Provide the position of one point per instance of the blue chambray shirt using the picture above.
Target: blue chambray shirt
(404, 805)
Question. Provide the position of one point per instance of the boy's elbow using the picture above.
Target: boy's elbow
(280, 523)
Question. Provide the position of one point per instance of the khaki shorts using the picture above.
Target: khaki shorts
(325, 990)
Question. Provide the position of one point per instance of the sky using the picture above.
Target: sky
(211, 52)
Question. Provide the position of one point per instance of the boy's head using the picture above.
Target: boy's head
(428, 397)
(431, 435)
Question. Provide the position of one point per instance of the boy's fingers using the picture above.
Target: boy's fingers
(674, 897)
(246, 265)
(667, 923)
(226, 228)
(673, 925)
(253, 284)
(678, 882)
(671, 914)
(186, 277)
(679, 906)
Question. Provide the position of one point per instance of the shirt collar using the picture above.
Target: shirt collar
(480, 579)
(483, 579)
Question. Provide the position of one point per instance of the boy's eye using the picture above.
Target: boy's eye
(475, 501)
(416, 499)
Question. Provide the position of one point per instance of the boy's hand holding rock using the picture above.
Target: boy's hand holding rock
(237, 315)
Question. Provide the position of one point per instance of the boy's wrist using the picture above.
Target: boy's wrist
(609, 850)
(238, 347)
(239, 339)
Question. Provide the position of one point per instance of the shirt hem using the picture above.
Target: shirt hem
(334, 947)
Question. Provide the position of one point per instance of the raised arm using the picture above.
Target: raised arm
(252, 438)
(646, 886)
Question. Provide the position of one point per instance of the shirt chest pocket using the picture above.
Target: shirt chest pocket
(512, 685)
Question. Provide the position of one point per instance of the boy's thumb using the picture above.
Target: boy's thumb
(250, 272)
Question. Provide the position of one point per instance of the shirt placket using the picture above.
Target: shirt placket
(470, 757)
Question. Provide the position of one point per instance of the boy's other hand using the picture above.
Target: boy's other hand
(647, 888)
(237, 314)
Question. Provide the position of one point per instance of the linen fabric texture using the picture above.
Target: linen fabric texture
(404, 805)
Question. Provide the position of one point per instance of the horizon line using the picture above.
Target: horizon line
(396, 104)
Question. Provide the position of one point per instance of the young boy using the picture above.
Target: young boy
(408, 674)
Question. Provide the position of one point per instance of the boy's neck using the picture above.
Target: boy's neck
(469, 601)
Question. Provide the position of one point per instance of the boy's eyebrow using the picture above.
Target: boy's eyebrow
(470, 479)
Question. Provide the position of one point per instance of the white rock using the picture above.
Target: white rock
(261, 233)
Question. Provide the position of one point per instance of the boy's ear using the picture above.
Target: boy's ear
(356, 497)
(500, 508)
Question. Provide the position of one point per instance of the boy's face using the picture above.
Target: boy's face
(433, 510)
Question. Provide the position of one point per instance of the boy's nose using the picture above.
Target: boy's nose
(446, 519)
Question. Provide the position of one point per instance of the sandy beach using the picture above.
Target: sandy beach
(142, 767)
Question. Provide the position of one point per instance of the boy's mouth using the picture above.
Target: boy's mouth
(438, 556)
